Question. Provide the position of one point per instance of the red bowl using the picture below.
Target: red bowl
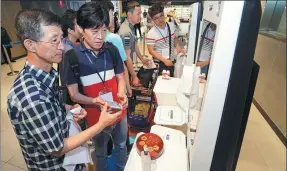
(153, 142)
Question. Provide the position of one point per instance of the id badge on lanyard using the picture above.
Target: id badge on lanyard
(106, 94)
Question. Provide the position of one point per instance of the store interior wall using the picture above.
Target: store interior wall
(270, 54)
(277, 15)
(9, 9)
(52, 5)
(282, 26)
(270, 90)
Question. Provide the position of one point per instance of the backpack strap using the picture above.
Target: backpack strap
(74, 64)
(59, 70)
(112, 50)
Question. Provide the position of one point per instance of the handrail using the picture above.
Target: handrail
(13, 72)
(10, 44)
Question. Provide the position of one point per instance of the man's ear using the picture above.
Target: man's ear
(129, 13)
(81, 30)
(30, 45)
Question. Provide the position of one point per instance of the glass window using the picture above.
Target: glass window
(273, 21)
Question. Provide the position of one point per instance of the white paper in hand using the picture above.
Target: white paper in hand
(79, 155)
(76, 110)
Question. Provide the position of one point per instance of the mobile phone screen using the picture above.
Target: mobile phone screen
(114, 105)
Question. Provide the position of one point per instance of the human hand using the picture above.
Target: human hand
(129, 92)
(98, 101)
(107, 118)
(81, 115)
(68, 107)
(168, 62)
(145, 61)
(77, 115)
(123, 100)
(182, 52)
(136, 81)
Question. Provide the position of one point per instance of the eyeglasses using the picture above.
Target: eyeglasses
(159, 17)
(54, 43)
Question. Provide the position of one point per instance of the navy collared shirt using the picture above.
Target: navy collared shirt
(91, 63)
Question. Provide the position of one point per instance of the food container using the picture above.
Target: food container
(151, 141)
(165, 91)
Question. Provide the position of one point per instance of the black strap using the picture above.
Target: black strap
(112, 50)
(74, 64)
(59, 72)
(169, 39)
(202, 39)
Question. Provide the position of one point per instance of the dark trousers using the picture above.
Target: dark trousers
(138, 27)
(4, 54)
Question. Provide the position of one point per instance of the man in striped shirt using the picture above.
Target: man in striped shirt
(101, 74)
(158, 42)
(206, 48)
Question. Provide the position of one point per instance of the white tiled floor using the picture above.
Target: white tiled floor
(261, 149)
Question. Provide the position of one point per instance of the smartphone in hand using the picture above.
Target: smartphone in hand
(114, 107)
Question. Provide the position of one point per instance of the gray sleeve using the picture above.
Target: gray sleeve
(127, 40)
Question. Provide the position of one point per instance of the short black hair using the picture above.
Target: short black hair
(92, 15)
(155, 9)
(106, 4)
(131, 6)
(68, 21)
(28, 23)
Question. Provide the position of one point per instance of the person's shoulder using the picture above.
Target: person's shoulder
(25, 91)
(113, 37)
(110, 45)
(124, 29)
(78, 49)
(67, 47)
(152, 33)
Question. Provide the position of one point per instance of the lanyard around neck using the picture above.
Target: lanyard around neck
(161, 33)
(105, 65)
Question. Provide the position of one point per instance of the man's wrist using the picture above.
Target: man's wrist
(94, 100)
(164, 60)
(134, 76)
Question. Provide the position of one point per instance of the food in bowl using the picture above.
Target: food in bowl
(152, 142)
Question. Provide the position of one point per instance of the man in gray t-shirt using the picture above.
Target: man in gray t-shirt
(129, 40)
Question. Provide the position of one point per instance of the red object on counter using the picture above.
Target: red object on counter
(153, 142)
